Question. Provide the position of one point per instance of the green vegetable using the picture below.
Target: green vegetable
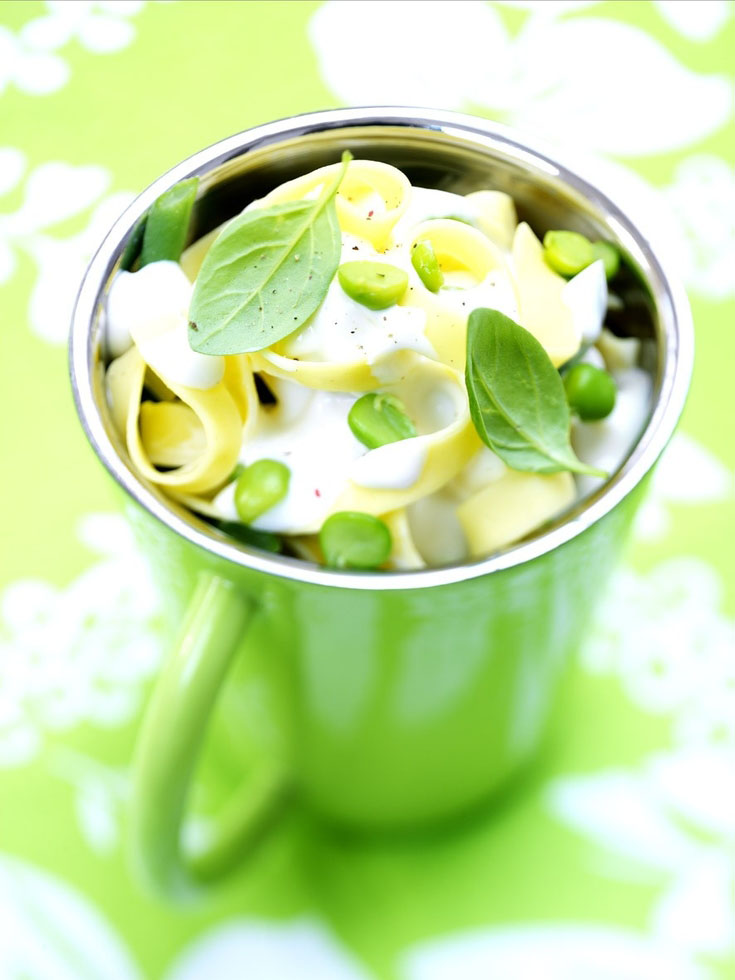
(610, 257)
(248, 535)
(377, 419)
(376, 285)
(517, 398)
(567, 252)
(350, 539)
(591, 392)
(425, 262)
(266, 274)
(167, 226)
(132, 249)
(260, 487)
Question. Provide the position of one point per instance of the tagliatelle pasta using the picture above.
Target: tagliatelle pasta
(469, 257)
(215, 409)
(542, 309)
(171, 433)
(443, 452)
(371, 199)
(511, 507)
(405, 556)
(361, 414)
(322, 375)
(496, 215)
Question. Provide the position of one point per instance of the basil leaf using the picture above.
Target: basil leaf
(517, 398)
(266, 274)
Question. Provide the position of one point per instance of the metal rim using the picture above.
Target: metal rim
(485, 135)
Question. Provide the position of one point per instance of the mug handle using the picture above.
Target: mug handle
(171, 735)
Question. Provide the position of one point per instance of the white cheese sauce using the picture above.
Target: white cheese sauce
(316, 443)
(495, 292)
(345, 331)
(586, 296)
(151, 307)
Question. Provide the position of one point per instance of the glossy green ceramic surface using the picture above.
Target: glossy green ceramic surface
(385, 709)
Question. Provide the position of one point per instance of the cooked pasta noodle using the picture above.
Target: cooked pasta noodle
(187, 419)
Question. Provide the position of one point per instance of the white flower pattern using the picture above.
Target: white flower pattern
(53, 193)
(300, 950)
(52, 932)
(698, 20)
(702, 199)
(101, 794)
(531, 80)
(30, 59)
(665, 638)
(559, 951)
(673, 814)
(688, 474)
(81, 653)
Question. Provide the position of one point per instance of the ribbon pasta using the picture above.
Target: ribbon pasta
(355, 376)
(434, 397)
(207, 456)
(463, 253)
(543, 311)
(370, 201)
(188, 440)
(496, 215)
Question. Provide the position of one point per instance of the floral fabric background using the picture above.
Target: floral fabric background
(615, 861)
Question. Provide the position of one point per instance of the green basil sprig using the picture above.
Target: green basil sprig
(266, 274)
(517, 399)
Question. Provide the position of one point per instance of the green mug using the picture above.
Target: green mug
(384, 700)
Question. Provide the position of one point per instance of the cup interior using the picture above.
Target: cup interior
(451, 153)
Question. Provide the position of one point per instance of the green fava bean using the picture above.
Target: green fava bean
(260, 487)
(377, 419)
(167, 224)
(426, 264)
(567, 252)
(351, 539)
(610, 257)
(376, 285)
(591, 392)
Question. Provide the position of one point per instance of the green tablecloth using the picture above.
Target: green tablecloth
(614, 858)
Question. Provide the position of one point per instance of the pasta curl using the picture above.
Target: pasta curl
(371, 198)
(214, 408)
